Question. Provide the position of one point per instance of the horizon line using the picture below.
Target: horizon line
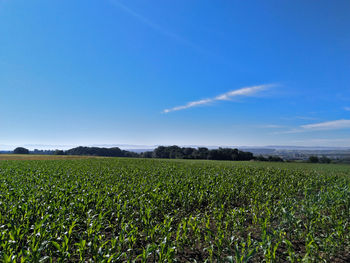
(150, 147)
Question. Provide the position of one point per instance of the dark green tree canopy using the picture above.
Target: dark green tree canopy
(176, 152)
(21, 150)
(325, 159)
(313, 159)
(96, 151)
(59, 152)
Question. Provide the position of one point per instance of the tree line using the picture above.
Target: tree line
(163, 152)
(315, 159)
(176, 152)
(98, 151)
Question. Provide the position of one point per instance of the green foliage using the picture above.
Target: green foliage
(313, 159)
(176, 152)
(59, 152)
(98, 151)
(325, 159)
(21, 150)
(146, 210)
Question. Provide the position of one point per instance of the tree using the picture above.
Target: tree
(261, 158)
(21, 150)
(96, 151)
(58, 152)
(188, 152)
(201, 153)
(161, 152)
(147, 154)
(324, 159)
(313, 159)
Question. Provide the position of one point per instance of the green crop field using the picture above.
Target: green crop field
(126, 210)
(43, 157)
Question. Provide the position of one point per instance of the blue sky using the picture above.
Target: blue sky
(142, 72)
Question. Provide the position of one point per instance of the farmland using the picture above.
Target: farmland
(42, 157)
(125, 210)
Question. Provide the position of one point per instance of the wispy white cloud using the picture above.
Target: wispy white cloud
(155, 26)
(247, 91)
(347, 108)
(327, 125)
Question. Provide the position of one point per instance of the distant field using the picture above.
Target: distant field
(147, 210)
(41, 157)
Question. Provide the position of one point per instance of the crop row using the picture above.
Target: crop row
(133, 210)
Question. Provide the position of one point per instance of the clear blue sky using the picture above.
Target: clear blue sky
(174, 72)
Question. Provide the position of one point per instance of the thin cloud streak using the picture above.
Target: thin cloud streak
(155, 26)
(347, 108)
(247, 91)
(327, 125)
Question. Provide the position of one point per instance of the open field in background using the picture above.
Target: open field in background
(149, 210)
(42, 157)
